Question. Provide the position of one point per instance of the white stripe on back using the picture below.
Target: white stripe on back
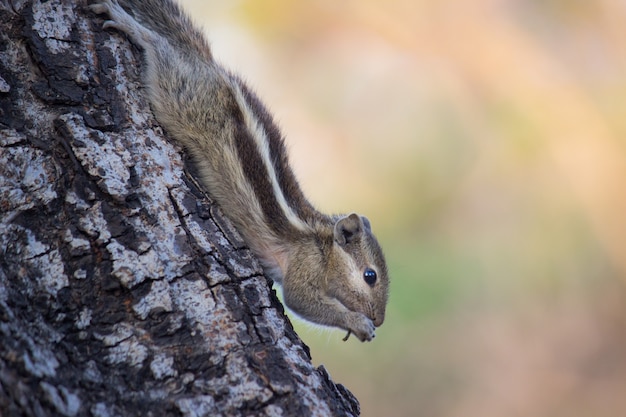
(262, 143)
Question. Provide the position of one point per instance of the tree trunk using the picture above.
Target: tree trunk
(123, 289)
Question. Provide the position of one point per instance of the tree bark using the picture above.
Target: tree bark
(123, 289)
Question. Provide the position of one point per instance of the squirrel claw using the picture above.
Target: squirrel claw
(361, 326)
(100, 7)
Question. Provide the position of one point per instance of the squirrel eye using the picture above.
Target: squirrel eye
(369, 275)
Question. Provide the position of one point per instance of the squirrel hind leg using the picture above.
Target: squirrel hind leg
(122, 21)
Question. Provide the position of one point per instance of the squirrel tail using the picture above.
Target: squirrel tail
(166, 18)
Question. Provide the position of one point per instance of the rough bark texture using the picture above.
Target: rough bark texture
(123, 290)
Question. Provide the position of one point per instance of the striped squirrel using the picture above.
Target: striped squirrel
(331, 268)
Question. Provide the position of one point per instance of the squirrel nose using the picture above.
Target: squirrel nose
(378, 320)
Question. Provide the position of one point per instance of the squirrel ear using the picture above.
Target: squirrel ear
(366, 223)
(348, 229)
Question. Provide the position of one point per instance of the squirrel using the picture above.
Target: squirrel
(331, 268)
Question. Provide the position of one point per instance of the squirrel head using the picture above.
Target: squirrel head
(357, 271)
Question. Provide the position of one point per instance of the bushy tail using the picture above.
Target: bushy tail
(167, 18)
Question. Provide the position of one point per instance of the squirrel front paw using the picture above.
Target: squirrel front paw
(361, 326)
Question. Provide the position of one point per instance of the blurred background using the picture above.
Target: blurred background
(486, 142)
